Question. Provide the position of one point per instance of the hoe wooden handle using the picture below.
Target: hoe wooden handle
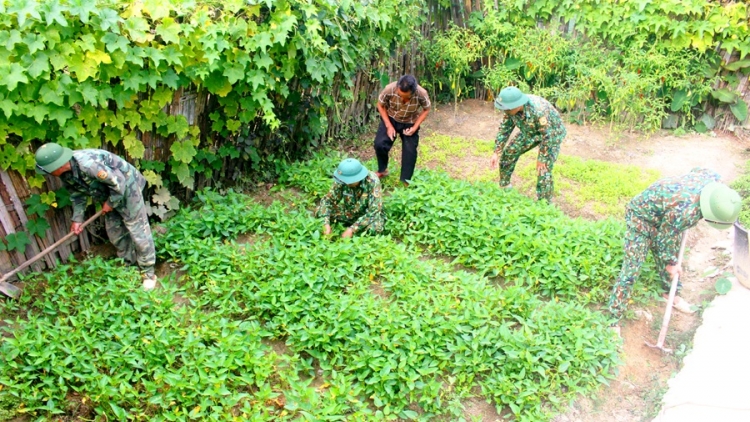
(49, 249)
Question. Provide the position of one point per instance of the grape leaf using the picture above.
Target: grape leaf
(173, 56)
(138, 29)
(234, 72)
(14, 75)
(115, 42)
(17, 241)
(82, 9)
(161, 196)
(257, 78)
(183, 174)
(61, 115)
(109, 20)
(152, 178)
(264, 61)
(82, 67)
(33, 42)
(63, 198)
(183, 151)
(13, 38)
(8, 107)
(38, 112)
(157, 9)
(134, 146)
(263, 40)
(53, 13)
(37, 227)
(99, 57)
(35, 205)
(23, 9)
(39, 65)
(169, 31)
(171, 79)
(179, 126)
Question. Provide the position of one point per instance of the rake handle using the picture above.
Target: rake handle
(49, 249)
(672, 294)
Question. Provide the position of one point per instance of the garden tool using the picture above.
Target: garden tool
(670, 301)
(13, 291)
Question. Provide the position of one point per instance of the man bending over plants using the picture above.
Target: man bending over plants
(399, 106)
(540, 125)
(115, 183)
(355, 200)
(658, 216)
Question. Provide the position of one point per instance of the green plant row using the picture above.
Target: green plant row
(500, 233)
(91, 342)
(403, 330)
(742, 186)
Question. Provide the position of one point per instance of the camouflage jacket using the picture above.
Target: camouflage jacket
(101, 175)
(537, 118)
(671, 206)
(361, 205)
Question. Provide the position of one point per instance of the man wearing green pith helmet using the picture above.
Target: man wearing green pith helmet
(118, 186)
(658, 216)
(540, 125)
(355, 200)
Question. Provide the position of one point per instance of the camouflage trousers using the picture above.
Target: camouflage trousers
(522, 144)
(375, 225)
(639, 239)
(128, 230)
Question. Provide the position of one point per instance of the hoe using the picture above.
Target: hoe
(13, 291)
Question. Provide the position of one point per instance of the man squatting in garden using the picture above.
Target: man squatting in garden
(399, 106)
(658, 216)
(355, 200)
(540, 124)
(115, 183)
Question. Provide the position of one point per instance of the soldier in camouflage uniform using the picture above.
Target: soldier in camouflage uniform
(355, 200)
(658, 216)
(115, 183)
(540, 125)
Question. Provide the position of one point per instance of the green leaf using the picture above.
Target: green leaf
(724, 95)
(512, 63)
(171, 79)
(2, 246)
(138, 28)
(169, 31)
(708, 121)
(82, 9)
(34, 42)
(38, 112)
(157, 9)
(61, 115)
(257, 78)
(22, 9)
(17, 241)
(62, 196)
(119, 412)
(183, 175)
(37, 227)
(8, 107)
(109, 20)
(53, 12)
(723, 286)
(134, 146)
(234, 72)
(14, 75)
(183, 151)
(263, 40)
(678, 99)
(39, 66)
(739, 109)
(35, 205)
(114, 42)
(264, 61)
(735, 66)
(152, 178)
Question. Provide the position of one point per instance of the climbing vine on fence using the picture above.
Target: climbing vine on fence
(87, 73)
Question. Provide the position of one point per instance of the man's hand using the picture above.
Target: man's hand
(411, 130)
(674, 270)
(391, 131)
(493, 160)
(106, 208)
(347, 233)
(541, 168)
(327, 229)
(76, 227)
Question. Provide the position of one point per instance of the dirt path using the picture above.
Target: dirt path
(636, 392)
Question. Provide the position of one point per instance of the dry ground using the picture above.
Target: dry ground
(642, 379)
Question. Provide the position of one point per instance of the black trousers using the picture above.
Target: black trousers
(409, 144)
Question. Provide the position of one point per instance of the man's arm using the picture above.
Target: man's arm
(390, 130)
(420, 119)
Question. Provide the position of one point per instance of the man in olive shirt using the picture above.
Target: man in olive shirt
(403, 106)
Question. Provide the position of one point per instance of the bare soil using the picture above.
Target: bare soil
(642, 378)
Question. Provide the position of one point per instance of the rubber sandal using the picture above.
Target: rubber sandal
(382, 175)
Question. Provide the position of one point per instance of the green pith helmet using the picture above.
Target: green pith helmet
(350, 171)
(51, 157)
(720, 205)
(510, 98)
